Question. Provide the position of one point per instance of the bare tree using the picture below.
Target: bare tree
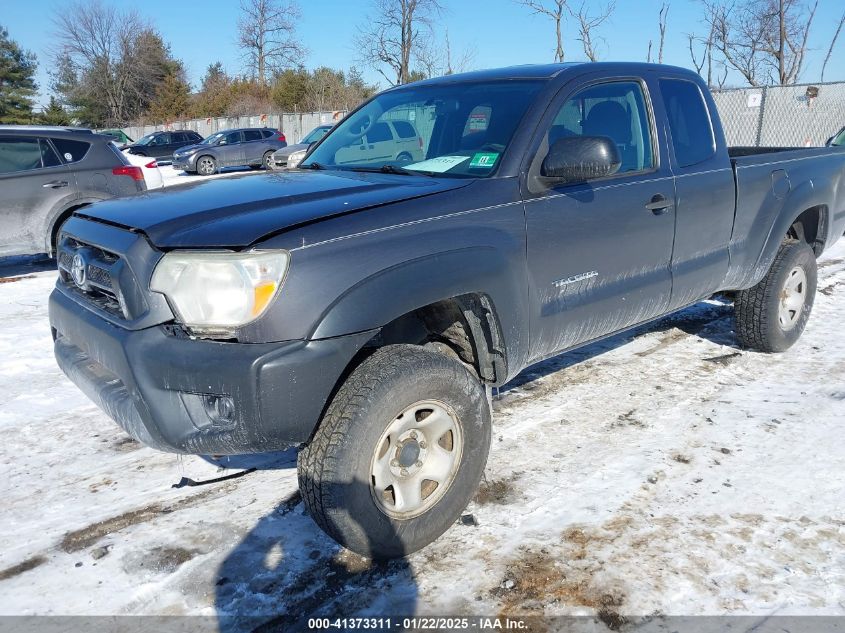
(394, 36)
(109, 63)
(706, 54)
(764, 40)
(267, 36)
(832, 44)
(587, 22)
(553, 9)
(661, 23)
(435, 58)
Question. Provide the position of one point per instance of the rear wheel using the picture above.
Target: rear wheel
(399, 453)
(771, 316)
(404, 157)
(206, 166)
(267, 160)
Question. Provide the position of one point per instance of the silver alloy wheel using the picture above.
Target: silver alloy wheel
(205, 166)
(416, 459)
(792, 298)
(268, 160)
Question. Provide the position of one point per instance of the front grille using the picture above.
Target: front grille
(100, 286)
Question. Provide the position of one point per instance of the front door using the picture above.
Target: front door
(230, 150)
(599, 252)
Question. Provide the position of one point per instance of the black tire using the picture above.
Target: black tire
(335, 469)
(758, 309)
(404, 157)
(265, 160)
(206, 165)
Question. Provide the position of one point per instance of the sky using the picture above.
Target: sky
(499, 32)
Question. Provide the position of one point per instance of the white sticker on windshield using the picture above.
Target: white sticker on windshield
(439, 164)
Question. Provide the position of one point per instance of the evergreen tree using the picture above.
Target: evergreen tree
(17, 81)
(55, 114)
(172, 96)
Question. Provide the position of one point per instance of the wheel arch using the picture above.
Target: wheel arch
(455, 298)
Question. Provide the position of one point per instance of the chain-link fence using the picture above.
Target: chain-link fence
(803, 115)
(293, 125)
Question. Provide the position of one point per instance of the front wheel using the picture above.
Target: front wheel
(771, 316)
(206, 166)
(399, 453)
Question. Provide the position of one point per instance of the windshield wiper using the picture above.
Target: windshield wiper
(312, 165)
(392, 169)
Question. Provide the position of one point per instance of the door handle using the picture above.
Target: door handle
(55, 184)
(659, 204)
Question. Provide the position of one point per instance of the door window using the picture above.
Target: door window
(379, 133)
(616, 110)
(49, 158)
(161, 139)
(689, 122)
(252, 135)
(71, 151)
(231, 138)
(19, 154)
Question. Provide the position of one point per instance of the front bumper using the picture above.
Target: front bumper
(185, 163)
(152, 382)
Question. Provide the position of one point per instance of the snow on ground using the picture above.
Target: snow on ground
(173, 176)
(662, 471)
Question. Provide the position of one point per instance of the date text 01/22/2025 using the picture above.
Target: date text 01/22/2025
(477, 623)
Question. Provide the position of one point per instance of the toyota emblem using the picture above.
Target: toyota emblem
(77, 269)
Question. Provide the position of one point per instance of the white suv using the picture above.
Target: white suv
(385, 141)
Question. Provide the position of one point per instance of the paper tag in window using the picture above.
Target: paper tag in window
(439, 164)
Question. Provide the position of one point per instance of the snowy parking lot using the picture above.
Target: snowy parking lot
(662, 471)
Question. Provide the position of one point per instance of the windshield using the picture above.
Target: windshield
(212, 140)
(145, 140)
(315, 135)
(839, 139)
(456, 130)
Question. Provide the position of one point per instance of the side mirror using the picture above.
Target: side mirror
(580, 158)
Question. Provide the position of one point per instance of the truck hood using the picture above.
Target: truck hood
(238, 211)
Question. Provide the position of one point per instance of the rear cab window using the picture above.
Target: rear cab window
(689, 122)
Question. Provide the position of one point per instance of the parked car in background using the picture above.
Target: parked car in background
(47, 173)
(838, 139)
(280, 158)
(163, 144)
(386, 140)
(253, 147)
(119, 136)
(149, 166)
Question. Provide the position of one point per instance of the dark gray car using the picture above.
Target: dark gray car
(46, 173)
(280, 158)
(251, 147)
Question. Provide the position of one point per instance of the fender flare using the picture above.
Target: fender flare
(805, 197)
(392, 292)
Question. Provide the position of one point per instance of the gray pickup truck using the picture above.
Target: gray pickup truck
(363, 310)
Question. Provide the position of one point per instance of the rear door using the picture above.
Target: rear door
(705, 190)
(34, 182)
(599, 252)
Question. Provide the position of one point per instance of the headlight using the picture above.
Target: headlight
(219, 290)
(295, 158)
